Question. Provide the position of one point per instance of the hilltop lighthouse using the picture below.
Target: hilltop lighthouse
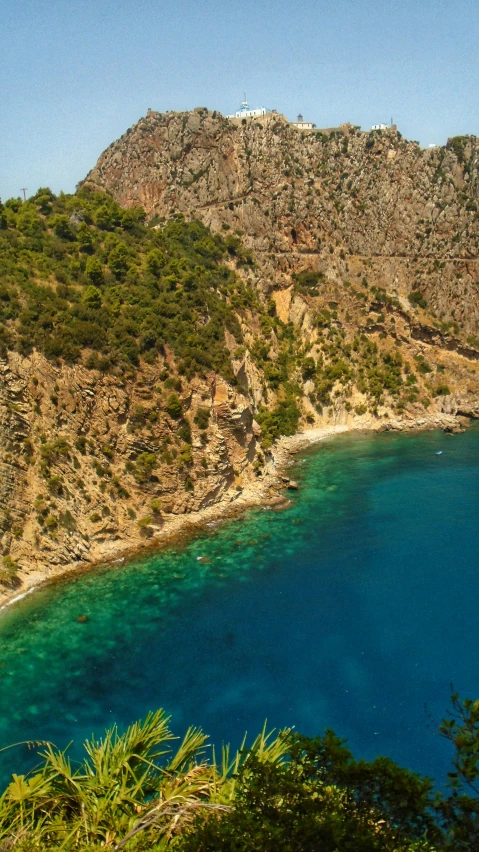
(301, 124)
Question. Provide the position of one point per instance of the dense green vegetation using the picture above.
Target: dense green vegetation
(83, 279)
(285, 793)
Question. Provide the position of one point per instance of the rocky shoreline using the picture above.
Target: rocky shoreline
(268, 489)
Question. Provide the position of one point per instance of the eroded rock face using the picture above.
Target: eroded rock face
(72, 485)
(310, 199)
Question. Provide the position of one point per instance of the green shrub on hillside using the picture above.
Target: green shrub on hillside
(8, 573)
(202, 417)
(416, 298)
(144, 466)
(173, 406)
(283, 419)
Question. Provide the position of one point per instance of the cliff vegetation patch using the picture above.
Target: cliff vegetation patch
(84, 280)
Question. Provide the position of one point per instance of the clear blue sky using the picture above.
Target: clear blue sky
(75, 74)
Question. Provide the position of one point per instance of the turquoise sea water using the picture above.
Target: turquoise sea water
(353, 609)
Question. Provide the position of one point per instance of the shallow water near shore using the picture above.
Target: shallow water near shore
(352, 609)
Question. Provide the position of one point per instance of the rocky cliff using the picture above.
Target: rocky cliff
(92, 466)
(370, 203)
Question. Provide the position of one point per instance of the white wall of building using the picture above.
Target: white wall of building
(303, 125)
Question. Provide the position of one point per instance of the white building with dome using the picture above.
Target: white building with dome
(245, 111)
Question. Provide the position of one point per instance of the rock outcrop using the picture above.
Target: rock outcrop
(91, 465)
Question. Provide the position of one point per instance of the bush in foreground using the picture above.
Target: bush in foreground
(285, 793)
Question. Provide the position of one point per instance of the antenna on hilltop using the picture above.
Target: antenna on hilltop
(24, 190)
(244, 105)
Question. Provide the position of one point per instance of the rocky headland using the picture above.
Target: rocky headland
(350, 301)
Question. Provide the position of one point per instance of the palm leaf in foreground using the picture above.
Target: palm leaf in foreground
(127, 783)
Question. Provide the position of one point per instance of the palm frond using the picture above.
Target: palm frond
(143, 740)
(189, 749)
(270, 748)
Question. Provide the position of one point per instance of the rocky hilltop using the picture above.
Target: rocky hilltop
(339, 199)
(213, 286)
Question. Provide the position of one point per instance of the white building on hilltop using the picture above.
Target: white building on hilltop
(245, 112)
(303, 125)
(379, 127)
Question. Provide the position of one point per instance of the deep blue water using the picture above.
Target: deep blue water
(354, 609)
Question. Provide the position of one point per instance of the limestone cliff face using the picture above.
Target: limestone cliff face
(408, 217)
(73, 442)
